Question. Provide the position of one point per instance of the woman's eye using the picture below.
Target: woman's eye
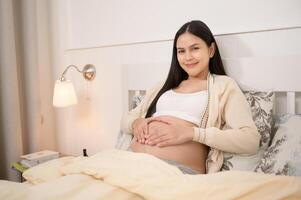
(180, 51)
(196, 48)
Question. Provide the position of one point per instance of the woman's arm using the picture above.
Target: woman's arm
(239, 135)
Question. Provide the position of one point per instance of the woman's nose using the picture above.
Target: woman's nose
(188, 55)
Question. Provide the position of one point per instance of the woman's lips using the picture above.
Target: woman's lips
(190, 65)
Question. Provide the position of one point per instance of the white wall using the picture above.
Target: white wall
(121, 36)
(100, 22)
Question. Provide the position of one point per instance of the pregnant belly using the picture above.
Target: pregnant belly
(191, 154)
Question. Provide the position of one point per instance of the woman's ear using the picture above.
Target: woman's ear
(212, 49)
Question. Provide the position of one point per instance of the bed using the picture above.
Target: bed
(273, 173)
(119, 174)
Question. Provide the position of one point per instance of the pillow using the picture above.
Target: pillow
(278, 120)
(283, 157)
(261, 104)
(123, 141)
(241, 162)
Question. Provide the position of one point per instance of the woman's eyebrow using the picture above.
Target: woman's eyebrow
(195, 44)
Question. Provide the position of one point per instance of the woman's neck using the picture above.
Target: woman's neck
(201, 76)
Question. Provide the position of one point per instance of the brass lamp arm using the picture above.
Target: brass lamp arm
(88, 72)
(65, 71)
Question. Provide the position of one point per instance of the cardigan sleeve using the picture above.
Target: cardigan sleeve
(239, 134)
(140, 111)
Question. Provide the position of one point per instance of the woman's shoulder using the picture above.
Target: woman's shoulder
(158, 85)
(223, 83)
(155, 88)
(223, 79)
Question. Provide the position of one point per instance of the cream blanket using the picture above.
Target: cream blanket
(116, 174)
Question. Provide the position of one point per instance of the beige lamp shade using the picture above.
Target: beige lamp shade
(64, 94)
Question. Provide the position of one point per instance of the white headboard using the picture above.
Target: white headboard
(279, 74)
(258, 74)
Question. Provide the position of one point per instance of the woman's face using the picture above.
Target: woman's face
(193, 55)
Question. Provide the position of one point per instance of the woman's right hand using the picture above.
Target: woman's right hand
(140, 129)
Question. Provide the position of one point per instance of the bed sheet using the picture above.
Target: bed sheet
(116, 174)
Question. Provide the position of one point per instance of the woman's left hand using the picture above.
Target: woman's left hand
(166, 131)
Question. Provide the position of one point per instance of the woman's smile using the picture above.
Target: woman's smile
(191, 65)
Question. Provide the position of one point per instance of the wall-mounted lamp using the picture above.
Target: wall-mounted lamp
(64, 94)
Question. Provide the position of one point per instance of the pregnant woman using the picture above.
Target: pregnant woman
(197, 113)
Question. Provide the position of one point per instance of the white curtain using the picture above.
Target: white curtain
(26, 84)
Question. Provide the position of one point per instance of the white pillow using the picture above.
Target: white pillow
(123, 141)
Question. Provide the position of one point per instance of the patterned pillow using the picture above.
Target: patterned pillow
(283, 157)
(261, 104)
(240, 162)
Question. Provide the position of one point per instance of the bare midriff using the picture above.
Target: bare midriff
(191, 154)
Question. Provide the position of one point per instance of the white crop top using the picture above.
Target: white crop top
(186, 106)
